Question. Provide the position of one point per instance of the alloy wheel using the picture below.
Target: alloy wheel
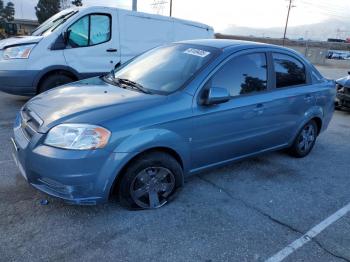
(307, 138)
(152, 186)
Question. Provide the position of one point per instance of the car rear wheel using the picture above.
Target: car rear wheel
(305, 140)
(150, 181)
(53, 81)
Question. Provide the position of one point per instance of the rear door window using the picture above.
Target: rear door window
(289, 71)
(243, 74)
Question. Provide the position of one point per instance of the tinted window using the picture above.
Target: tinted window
(100, 31)
(243, 75)
(289, 71)
(316, 75)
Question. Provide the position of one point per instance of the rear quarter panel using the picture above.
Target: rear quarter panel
(325, 98)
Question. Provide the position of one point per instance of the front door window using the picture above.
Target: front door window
(90, 30)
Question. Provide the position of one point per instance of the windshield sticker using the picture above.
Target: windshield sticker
(197, 52)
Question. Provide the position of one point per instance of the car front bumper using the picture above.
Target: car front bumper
(78, 177)
(343, 99)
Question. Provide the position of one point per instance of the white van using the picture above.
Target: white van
(79, 43)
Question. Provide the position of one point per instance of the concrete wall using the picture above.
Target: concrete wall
(289, 42)
(315, 52)
(315, 55)
(338, 64)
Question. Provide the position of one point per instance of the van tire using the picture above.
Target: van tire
(140, 174)
(53, 81)
(305, 140)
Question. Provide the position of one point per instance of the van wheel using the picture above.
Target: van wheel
(53, 81)
(150, 181)
(305, 140)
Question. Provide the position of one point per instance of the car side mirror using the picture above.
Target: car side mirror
(216, 95)
(66, 36)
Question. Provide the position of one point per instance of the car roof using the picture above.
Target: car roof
(238, 45)
(227, 43)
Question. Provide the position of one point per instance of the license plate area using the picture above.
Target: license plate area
(15, 150)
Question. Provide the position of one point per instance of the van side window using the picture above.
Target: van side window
(243, 74)
(90, 30)
(79, 33)
(100, 31)
(289, 71)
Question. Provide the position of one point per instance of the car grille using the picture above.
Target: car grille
(347, 91)
(30, 123)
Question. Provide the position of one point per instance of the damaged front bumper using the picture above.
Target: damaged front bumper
(343, 100)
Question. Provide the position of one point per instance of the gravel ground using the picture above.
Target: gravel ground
(244, 212)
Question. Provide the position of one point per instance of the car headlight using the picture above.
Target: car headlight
(78, 136)
(18, 52)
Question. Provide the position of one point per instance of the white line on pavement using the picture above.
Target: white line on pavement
(308, 236)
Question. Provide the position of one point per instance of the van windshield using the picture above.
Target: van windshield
(54, 22)
(166, 69)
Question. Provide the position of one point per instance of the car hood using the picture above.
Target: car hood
(345, 81)
(88, 101)
(19, 40)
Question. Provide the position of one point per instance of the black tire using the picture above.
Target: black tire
(305, 140)
(53, 81)
(150, 181)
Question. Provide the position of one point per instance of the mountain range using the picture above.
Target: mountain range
(330, 28)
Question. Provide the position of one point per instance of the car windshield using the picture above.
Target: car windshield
(166, 69)
(54, 22)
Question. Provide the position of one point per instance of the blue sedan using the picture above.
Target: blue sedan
(174, 111)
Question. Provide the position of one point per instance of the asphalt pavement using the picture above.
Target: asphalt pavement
(247, 211)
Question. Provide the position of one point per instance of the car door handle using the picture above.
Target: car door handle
(112, 50)
(308, 98)
(259, 109)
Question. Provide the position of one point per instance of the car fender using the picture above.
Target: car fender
(156, 138)
(138, 143)
(49, 69)
(315, 111)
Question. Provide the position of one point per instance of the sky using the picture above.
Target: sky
(223, 13)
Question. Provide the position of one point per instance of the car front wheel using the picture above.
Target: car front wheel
(150, 181)
(53, 81)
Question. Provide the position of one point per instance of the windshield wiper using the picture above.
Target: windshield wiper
(64, 19)
(63, 16)
(60, 23)
(132, 84)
